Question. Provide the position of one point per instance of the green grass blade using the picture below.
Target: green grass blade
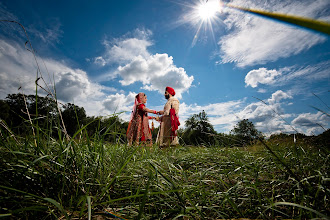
(144, 198)
(141, 195)
(20, 191)
(58, 205)
(40, 158)
(89, 207)
(300, 206)
(119, 171)
(312, 24)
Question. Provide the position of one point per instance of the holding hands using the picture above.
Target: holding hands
(158, 112)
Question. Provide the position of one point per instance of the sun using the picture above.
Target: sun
(204, 15)
(207, 10)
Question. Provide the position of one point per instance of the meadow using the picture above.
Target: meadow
(89, 178)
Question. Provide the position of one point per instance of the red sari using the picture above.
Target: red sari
(138, 127)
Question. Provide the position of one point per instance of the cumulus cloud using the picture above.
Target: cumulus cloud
(74, 85)
(278, 96)
(224, 116)
(128, 47)
(262, 76)
(136, 64)
(215, 109)
(99, 60)
(18, 70)
(310, 123)
(119, 102)
(269, 116)
(156, 72)
(221, 115)
(255, 40)
(300, 78)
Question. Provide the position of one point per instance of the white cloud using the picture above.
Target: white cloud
(220, 114)
(128, 47)
(278, 96)
(306, 74)
(255, 40)
(215, 109)
(269, 117)
(301, 79)
(262, 90)
(18, 69)
(119, 102)
(262, 76)
(311, 124)
(136, 64)
(99, 60)
(75, 85)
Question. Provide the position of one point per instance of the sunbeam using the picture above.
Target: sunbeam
(203, 14)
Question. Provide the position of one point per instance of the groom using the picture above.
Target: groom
(169, 122)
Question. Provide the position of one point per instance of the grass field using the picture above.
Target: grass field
(44, 178)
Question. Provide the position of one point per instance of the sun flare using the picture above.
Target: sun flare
(208, 9)
(205, 16)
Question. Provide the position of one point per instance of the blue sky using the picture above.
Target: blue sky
(233, 65)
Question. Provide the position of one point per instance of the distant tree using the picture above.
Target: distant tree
(73, 117)
(46, 106)
(14, 110)
(115, 129)
(323, 139)
(21, 106)
(110, 129)
(246, 132)
(199, 130)
(16, 117)
(4, 110)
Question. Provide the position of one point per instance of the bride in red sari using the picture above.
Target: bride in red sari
(138, 127)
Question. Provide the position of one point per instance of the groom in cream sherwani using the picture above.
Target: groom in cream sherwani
(167, 134)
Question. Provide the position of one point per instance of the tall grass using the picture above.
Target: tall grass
(89, 178)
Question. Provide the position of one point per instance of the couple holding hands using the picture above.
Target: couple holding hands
(138, 127)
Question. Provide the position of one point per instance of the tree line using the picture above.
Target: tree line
(199, 131)
(24, 113)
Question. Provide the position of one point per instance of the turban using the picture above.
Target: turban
(170, 90)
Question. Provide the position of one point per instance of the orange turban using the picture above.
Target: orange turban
(170, 90)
